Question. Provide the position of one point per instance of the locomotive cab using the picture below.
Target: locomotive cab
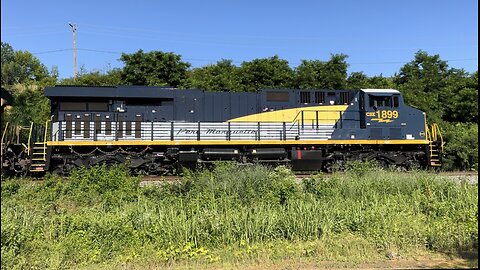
(385, 113)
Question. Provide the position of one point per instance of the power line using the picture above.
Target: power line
(53, 51)
(78, 49)
(402, 62)
(99, 51)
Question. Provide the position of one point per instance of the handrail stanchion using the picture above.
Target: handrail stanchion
(302, 115)
(198, 131)
(258, 131)
(151, 129)
(29, 143)
(229, 132)
(341, 120)
(4, 136)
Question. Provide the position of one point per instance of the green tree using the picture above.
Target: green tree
(21, 67)
(381, 82)
(461, 146)
(316, 74)
(96, 78)
(460, 97)
(221, 76)
(429, 71)
(357, 80)
(261, 73)
(7, 58)
(421, 82)
(153, 68)
(29, 105)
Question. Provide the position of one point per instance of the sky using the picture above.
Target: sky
(379, 36)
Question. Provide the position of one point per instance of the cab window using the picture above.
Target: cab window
(382, 101)
(395, 101)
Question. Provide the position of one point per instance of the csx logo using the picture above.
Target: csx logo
(384, 116)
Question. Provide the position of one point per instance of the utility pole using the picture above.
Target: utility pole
(74, 30)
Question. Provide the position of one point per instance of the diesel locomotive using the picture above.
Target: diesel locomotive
(158, 130)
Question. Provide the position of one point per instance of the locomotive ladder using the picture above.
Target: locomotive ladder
(39, 151)
(4, 143)
(435, 146)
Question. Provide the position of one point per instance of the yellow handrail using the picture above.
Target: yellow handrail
(46, 131)
(3, 136)
(427, 133)
(30, 138)
(440, 135)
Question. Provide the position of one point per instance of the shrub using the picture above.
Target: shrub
(461, 146)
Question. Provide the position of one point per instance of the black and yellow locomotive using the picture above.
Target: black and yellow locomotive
(156, 130)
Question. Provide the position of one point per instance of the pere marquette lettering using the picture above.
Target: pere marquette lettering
(216, 131)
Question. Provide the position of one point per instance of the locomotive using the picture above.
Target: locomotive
(159, 130)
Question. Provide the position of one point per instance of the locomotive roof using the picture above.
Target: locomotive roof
(129, 91)
(111, 91)
(381, 91)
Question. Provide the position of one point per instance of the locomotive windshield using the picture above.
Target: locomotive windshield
(383, 101)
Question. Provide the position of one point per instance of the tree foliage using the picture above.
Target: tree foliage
(29, 105)
(153, 68)
(421, 81)
(461, 149)
(358, 80)
(218, 77)
(316, 74)
(460, 97)
(111, 77)
(21, 67)
(271, 72)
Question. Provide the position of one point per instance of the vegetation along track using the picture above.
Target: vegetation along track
(231, 215)
(470, 177)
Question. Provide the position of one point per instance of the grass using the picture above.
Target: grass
(233, 215)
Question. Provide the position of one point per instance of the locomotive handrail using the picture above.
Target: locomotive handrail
(437, 131)
(45, 137)
(302, 114)
(3, 137)
(313, 127)
(29, 143)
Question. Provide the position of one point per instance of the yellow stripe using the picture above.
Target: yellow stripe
(236, 142)
(327, 115)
